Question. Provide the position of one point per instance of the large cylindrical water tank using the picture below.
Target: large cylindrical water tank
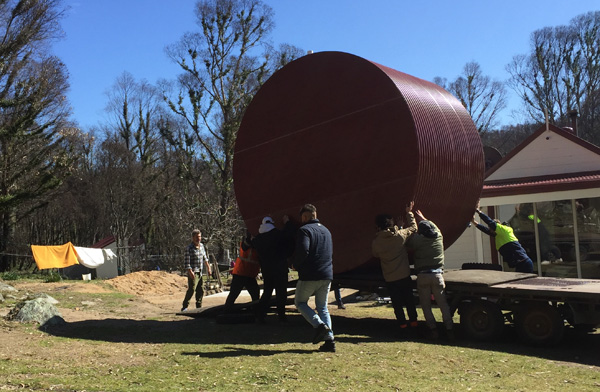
(356, 139)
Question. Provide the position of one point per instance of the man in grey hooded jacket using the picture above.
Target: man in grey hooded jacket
(428, 247)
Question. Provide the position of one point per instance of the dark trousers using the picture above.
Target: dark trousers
(194, 286)
(238, 283)
(524, 266)
(338, 294)
(401, 294)
(277, 281)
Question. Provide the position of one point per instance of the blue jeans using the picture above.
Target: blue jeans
(320, 289)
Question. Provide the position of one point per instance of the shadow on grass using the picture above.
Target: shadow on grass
(229, 352)
(574, 348)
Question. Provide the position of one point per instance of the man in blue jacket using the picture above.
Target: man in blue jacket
(313, 259)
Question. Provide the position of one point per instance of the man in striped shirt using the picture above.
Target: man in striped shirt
(194, 257)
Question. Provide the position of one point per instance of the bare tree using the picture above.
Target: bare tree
(483, 97)
(562, 73)
(135, 160)
(223, 65)
(537, 77)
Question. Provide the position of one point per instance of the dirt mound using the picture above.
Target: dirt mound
(150, 283)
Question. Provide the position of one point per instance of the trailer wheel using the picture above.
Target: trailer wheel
(540, 325)
(481, 320)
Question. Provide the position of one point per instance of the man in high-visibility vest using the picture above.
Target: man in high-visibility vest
(244, 274)
(506, 243)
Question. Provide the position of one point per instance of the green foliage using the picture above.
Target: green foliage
(35, 155)
(53, 277)
(9, 275)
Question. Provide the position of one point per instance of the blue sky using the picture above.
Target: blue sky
(424, 38)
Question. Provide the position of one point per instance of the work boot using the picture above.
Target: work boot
(328, 346)
(321, 333)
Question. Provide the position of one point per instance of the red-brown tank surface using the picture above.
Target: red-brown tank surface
(356, 139)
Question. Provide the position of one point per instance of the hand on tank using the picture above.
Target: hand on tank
(419, 215)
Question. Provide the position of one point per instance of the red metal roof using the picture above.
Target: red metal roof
(542, 184)
(104, 242)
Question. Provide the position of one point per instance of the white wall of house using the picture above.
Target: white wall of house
(548, 154)
(471, 247)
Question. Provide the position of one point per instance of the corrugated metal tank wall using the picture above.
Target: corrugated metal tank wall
(356, 139)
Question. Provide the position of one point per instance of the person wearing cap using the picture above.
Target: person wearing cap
(427, 246)
(313, 259)
(506, 243)
(389, 247)
(195, 257)
(273, 246)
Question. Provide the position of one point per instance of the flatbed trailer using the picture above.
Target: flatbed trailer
(537, 306)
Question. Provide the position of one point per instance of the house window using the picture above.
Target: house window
(567, 233)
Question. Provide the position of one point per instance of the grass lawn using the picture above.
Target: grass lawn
(187, 354)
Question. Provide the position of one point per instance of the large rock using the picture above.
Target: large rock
(38, 310)
(43, 296)
(6, 288)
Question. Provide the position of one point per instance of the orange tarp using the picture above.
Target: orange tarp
(58, 256)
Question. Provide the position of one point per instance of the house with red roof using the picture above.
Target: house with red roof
(548, 190)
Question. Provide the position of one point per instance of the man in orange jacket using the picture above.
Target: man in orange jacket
(244, 274)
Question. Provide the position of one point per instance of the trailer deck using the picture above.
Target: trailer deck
(522, 286)
(486, 299)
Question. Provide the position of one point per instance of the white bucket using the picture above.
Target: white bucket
(86, 276)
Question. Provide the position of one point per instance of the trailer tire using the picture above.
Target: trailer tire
(481, 266)
(540, 324)
(481, 320)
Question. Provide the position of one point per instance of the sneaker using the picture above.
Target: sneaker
(321, 333)
(328, 346)
(198, 305)
(341, 306)
(183, 309)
